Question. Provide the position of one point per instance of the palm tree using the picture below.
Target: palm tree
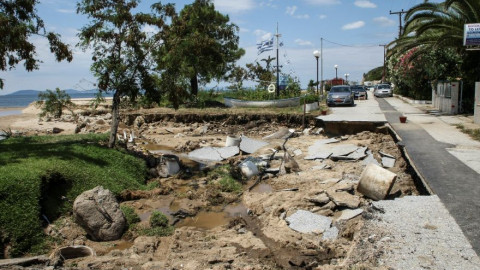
(268, 60)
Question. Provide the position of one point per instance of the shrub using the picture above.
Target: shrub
(52, 103)
(159, 225)
(130, 215)
(225, 179)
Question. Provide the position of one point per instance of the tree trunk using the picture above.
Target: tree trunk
(194, 85)
(115, 119)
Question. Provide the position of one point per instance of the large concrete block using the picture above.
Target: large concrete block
(376, 182)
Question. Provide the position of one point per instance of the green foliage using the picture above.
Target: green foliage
(121, 49)
(18, 22)
(375, 74)
(130, 215)
(42, 175)
(198, 46)
(310, 98)
(159, 226)
(225, 180)
(52, 103)
(474, 133)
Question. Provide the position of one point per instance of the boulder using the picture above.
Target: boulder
(139, 121)
(98, 213)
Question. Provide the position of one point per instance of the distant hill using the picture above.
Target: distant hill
(35, 92)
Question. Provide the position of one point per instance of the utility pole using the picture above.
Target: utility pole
(384, 59)
(399, 19)
(322, 87)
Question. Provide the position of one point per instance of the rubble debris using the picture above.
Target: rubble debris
(288, 165)
(370, 159)
(307, 222)
(249, 169)
(214, 153)
(330, 234)
(282, 133)
(250, 146)
(388, 161)
(376, 182)
(232, 141)
(169, 165)
(344, 199)
(320, 199)
(348, 214)
(200, 130)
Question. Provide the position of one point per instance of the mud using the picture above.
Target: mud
(247, 230)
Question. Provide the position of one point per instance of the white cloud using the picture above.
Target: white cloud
(234, 6)
(64, 10)
(302, 42)
(262, 34)
(322, 16)
(244, 30)
(384, 21)
(291, 10)
(268, 4)
(354, 25)
(323, 2)
(365, 4)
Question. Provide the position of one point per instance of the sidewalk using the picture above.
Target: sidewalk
(445, 157)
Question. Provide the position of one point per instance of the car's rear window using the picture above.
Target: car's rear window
(384, 86)
(340, 89)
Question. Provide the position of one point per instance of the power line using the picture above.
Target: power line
(350, 46)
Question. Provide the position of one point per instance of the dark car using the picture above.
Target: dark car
(340, 95)
(359, 91)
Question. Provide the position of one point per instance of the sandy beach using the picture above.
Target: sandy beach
(25, 120)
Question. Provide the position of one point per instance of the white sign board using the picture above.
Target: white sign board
(271, 88)
(471, 34)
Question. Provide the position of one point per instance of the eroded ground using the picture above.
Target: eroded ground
(220, 230)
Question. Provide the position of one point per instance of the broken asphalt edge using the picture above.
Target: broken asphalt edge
(404, 152)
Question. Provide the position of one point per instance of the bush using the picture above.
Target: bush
(130, 215)
(310, 98)
(159, 225)
(158, 219)
(41, 176)
(52, 103)
(225, 179)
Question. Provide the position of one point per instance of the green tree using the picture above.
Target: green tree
(201, 44)
(52, 103)
(18, 22)
(374, 74)
(268, 61)
(235, 77)
(121, 50)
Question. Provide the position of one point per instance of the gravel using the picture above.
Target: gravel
(421, 234)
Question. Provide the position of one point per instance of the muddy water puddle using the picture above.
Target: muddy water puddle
(166, 205)
(122, 245)
(208, 220)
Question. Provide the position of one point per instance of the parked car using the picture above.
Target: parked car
(359, 91)
(340, 95)
(383, 90)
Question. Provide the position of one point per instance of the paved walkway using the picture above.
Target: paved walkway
(447, 159)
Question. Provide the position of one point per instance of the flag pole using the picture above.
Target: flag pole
(277, 35)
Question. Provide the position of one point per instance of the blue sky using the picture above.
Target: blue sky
(352, 31)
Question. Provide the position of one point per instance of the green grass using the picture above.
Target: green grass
(41, 176)
(224, 179)
(474, 133)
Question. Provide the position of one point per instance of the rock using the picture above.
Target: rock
(214, 153)
(98, 213)
(168, 165)
(200, 130)
(376, 182)
(307, 131)
(139, 121)
(348, 214)
(288, 165)
(388, 162)
(107, 116)
(297, 152)
(100, 122)
(56, 130)
(145, 244)
(249, 169)
(344, 199)
(308, 222)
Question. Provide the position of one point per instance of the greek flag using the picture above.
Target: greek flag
(266, 45)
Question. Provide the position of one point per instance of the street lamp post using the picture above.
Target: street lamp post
(346, 77)
(336, 72)
(317, 54)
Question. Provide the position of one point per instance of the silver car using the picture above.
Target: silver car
(383, 90)
(340, 95)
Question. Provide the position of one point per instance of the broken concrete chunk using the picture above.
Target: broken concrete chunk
(214, 153)
(320, 199)
(348, 214)
(360, 153)
(297, 152)
(282, 133)
(200, 130)
(249, 169)
(308, 222)
(388, 162)
(344, 149)
(307, 131)
(330, 234)
(250, 146)
(376, 182)
(383, 154)
(344, 199)
(370, 159)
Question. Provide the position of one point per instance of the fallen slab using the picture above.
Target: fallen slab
(250, 146)
(307, 222)
(214, 153)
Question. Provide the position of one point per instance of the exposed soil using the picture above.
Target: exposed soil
(218, 230)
